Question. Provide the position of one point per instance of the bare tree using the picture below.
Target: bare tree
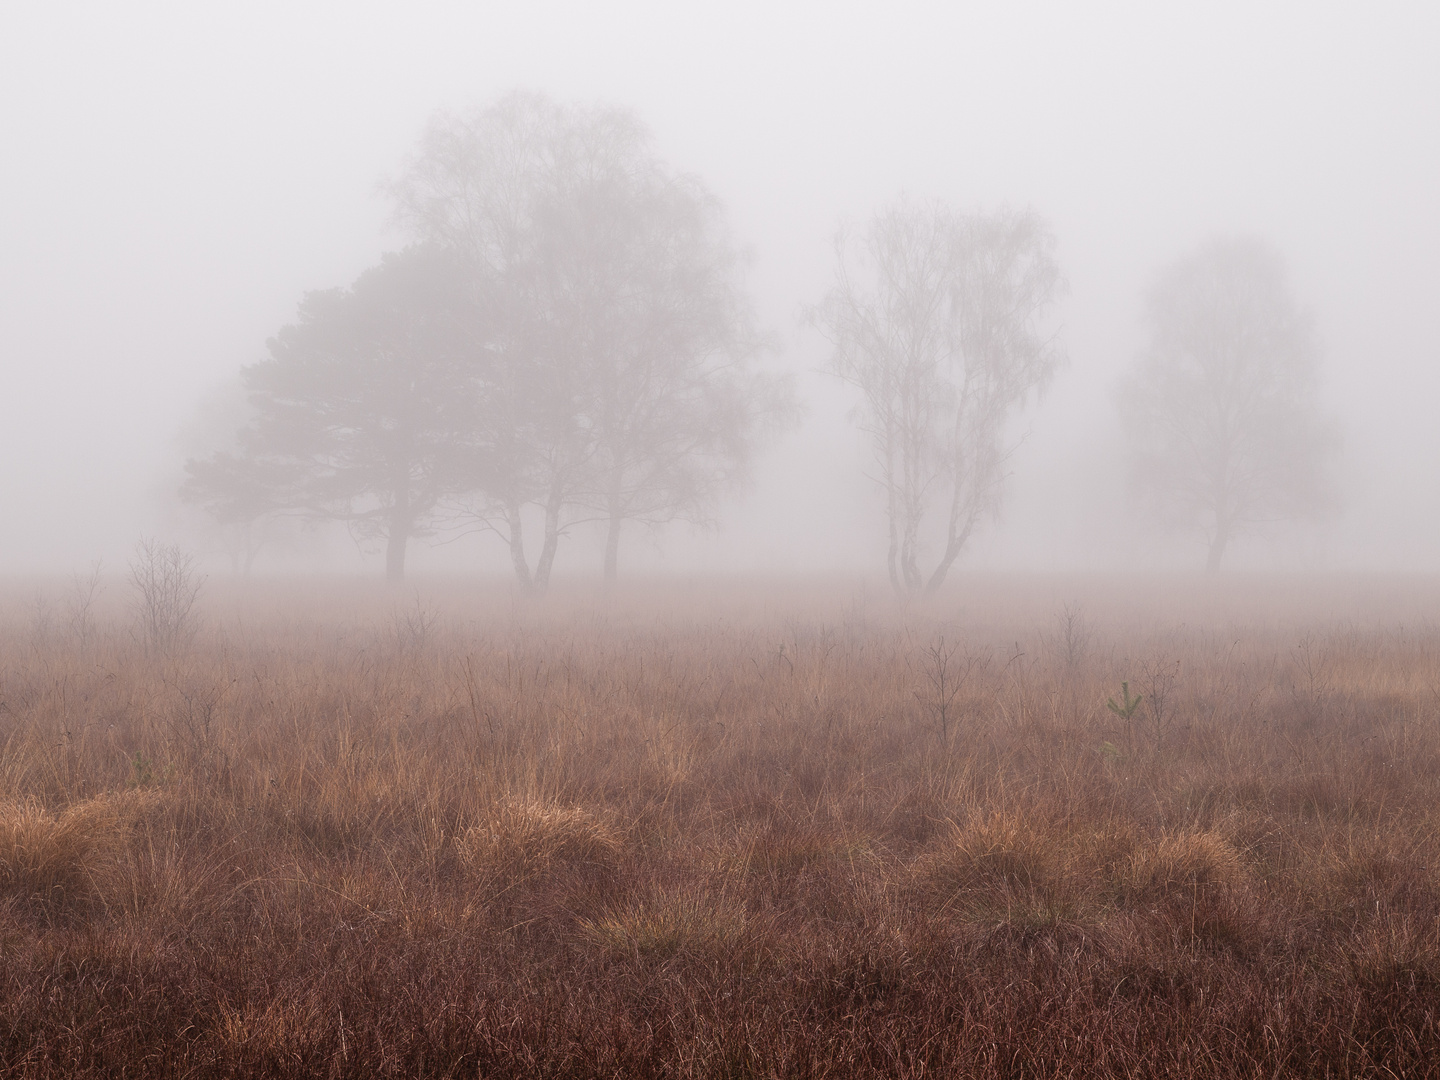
(492, 187)
(673, 405)
(612, 377)
(936, 318)
(1221, 409)
(80, 610)
(166, 585)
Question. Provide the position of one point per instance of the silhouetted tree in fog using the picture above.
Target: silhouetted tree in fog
(613, 377)
(238, 514)
(936, 317)
(1221, 409)
(240, 499)
(673, 406)
(356, 410)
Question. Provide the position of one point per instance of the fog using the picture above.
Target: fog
(176, 178)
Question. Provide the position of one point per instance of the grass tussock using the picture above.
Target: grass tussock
(998, 852)
(721, 837)
(56, 862)
(668, 925)
(521, 840)
(1183, 863)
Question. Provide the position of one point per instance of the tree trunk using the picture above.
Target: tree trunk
(910, 558)
(552, 540)
(612, 550)
(614, 506)
(401, 525)
(893, 560)
(953, 548)
(517, 548)
(1217, 547)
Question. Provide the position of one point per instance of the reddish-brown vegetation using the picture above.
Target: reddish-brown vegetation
(725, 839)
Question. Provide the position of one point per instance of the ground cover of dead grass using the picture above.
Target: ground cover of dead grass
(691, 832)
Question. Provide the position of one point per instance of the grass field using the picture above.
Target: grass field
(707, 830)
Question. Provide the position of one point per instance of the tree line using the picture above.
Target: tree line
(566, 339)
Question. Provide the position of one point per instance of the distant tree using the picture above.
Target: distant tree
(243, 510)
(356, 410)
(614, 379)
(1221, 410)
(167, 585)
(936, 318)
(673, 406)
(236, 512)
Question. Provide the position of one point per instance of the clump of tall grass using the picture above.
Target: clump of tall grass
(58, 862)
(1001, 851)
(1183, 863)
(669, 924)
(525, 839)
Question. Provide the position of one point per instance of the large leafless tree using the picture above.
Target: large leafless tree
(674, 406)
(937, 317)
(1221, 410)
(613, 377)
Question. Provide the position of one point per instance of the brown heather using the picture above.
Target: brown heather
(722, 833)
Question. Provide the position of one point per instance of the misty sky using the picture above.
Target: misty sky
(175, 176)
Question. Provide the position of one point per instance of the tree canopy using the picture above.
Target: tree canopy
(1221, 410)
(355, 409)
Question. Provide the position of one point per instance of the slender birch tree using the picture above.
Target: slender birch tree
(937, 318)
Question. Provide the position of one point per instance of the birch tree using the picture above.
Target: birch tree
(937, 318)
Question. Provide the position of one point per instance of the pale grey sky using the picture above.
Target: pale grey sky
(175, 175)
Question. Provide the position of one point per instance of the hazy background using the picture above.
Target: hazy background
(173, 178)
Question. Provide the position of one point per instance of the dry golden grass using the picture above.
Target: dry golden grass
(694, 833)
(524, 840)
(61, 861)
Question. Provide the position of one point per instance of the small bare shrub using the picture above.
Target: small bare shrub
(945, 675)
(1072, 637)
(415, 627)
(167, 585)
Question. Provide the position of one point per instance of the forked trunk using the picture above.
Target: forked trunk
(517, 548)
(952, 552)
(552, 542)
